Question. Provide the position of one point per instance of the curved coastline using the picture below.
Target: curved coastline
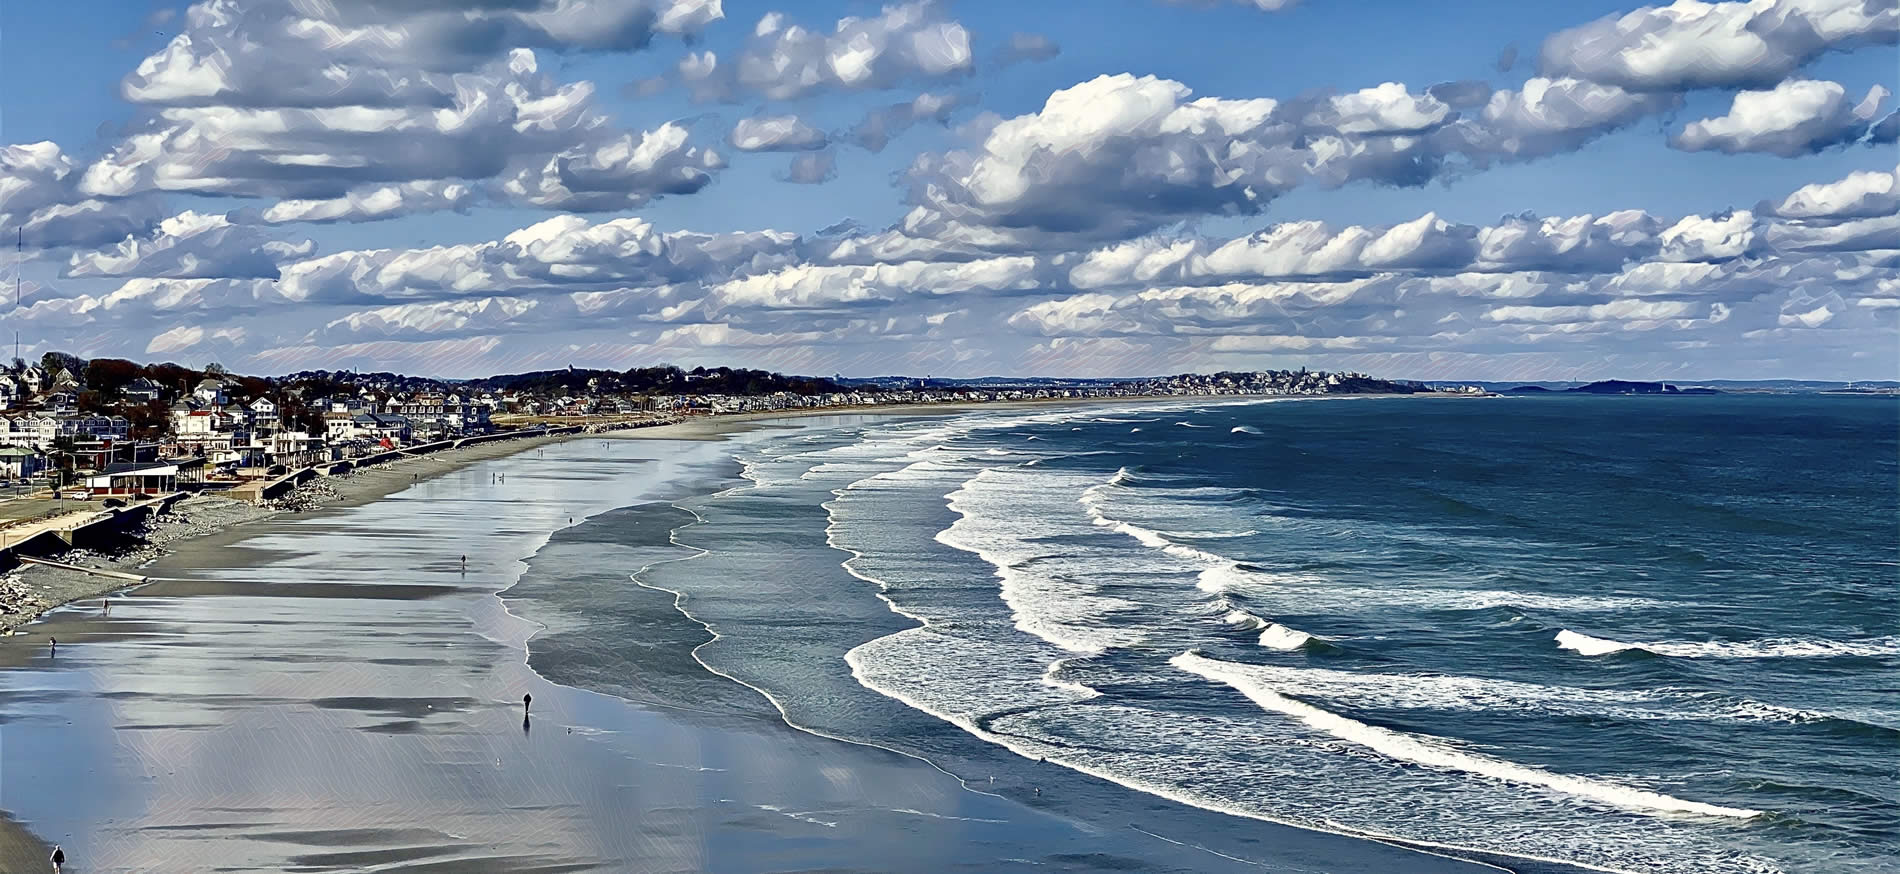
(515, 631)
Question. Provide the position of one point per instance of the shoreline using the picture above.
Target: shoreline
(401, 731)
(367, 486)
(38, 589)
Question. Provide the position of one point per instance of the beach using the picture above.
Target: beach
(335, 689)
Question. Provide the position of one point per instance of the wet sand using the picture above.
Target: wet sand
(336, 690)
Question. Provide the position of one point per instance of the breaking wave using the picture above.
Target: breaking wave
(1434, 753)
(1770, 648)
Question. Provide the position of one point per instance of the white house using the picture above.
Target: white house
(40, 429)
(209, 391)
(207, 431)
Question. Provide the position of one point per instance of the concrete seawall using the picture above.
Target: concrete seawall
(102, 530)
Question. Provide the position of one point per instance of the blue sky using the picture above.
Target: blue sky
(1668, 301)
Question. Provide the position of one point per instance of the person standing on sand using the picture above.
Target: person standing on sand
(53, 648)
(526, 700)
(58, 858)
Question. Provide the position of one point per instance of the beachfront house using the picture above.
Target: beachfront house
(383, 428)
(202, 432)
(264, 416)
(297, 449)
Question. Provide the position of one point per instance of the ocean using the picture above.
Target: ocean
(1627, 633)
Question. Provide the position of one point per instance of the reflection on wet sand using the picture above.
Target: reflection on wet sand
(340, 693)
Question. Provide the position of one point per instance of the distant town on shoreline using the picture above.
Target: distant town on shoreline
(108, 421)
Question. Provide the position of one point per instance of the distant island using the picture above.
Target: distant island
(1614, 387)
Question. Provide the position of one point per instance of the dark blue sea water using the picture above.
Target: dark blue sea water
(1643, 634)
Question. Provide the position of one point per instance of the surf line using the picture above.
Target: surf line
(1406, 747)
(679, 604)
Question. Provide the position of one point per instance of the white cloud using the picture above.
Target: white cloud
(504, 115)
(1692, 44)
(1621, 310)
(1119, 155)
(1717, 238)
(290, 54)
(776, 133)
(1798, 117)
(371, 203)
(783, 61)
(1862, 194)
(192, 245)
(39, 195)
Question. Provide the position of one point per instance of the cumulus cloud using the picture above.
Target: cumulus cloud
(192, 245)
(1119, 154)
(374, 202)
(40, 195)
(1863, 194)
(1692, 44)
(504, 116)
(776, 133)
(1718, 238)
(357, 111)
(141, 299)
(289, 54)
(1797, 117)
(619, 173)
(562, 252)
(783, 61)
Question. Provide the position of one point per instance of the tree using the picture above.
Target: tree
(110, 376)
(54, 361)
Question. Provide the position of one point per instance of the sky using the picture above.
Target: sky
(460, 188)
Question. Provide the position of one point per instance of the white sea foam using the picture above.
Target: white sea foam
(1319, 593)
(997, 521)
(1192, 425)
(1368, 690)
(1769, 648)
(1209, 535)
(1434, 753)
(1053, 679)
(1243, 619)
(1277, 636)
(1245, 429)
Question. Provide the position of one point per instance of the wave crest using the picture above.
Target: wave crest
(1433, 753)
(1768, 648)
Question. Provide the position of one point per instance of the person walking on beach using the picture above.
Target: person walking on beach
(526, 700)
(58, 858)
(53, 649)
